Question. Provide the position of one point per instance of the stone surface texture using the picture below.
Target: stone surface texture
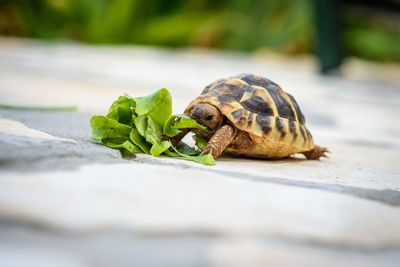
(79, 203)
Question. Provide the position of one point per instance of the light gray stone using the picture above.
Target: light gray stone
(161, 199)
(240, 253)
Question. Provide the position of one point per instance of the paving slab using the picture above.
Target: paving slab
(163, 199)
(82, 204)
(239, 252)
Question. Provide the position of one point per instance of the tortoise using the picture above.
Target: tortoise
(252, 116)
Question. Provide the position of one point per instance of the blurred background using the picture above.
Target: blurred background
(331, 29)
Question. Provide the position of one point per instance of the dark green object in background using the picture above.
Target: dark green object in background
(341, 26)
(328, 34)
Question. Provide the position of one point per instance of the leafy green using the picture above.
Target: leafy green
(181, 121)
(139, 141)
(109, 130)
(153, 132)
(112, 145)
(188, 150)
(205, 159)
(158, 106)
(158, 149)
(122, 110)
(201, 142)
(140, 125)
(131, 147)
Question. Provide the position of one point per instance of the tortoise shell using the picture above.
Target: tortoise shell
(258, 106)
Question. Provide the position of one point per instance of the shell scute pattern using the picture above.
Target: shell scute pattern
(296, 107)
(211, 86)
(258, 105)
(256, 80)
(237, 114)
(265, 123)
(230, 90)
(280, 126)
(226, 98)
(282, 104)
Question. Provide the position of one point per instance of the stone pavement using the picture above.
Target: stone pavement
(68, 201)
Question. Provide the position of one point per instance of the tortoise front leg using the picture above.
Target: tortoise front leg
(220, 140)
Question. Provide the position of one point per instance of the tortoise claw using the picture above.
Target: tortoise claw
(208, 150)
(317, 153)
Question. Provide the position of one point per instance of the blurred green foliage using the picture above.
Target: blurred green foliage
(372, 36)
(282, 25)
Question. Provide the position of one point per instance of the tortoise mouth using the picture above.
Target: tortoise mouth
(198, 130)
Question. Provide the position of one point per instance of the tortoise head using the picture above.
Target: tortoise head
(207, 115)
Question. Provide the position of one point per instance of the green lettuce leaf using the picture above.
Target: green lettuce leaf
(122, 110)
(131, 147)
(139, 141)
(158, 106)
(109, 131)
(206, 159)
(139, 125)
(153, 132)
(180, 121)
(188, 150)
(158, 149)
(201, 142)
(113, 145)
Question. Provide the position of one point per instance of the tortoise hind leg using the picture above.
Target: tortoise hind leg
(316, 153)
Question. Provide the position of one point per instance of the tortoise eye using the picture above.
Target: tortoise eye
(210, 117)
